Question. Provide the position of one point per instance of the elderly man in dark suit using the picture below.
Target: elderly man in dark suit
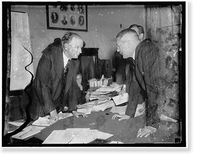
(145, 74)
(55, 79)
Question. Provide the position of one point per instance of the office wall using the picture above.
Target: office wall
(104, 22)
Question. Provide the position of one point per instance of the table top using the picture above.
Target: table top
(124, 131)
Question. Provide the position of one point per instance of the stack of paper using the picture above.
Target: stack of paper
(107, 89)
(75, 136)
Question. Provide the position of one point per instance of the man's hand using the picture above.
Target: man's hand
(146, 131)
(77, 114)
(121, 117)
(87, 96)
(54, 115)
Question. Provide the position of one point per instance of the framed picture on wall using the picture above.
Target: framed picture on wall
(67, 17)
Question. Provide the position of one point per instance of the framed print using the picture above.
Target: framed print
(67, 17)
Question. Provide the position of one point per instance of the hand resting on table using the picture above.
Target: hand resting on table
(120, 116)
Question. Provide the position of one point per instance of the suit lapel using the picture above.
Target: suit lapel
(70, 76)
(59, 62)
(73, 67)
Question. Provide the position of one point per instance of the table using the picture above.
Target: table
(124, 131)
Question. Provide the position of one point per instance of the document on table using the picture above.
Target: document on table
(16, 123)
(120, 99)
(119, 110)
(28, 132)
(85, 110)
(42, 121)
(75, 136)
(122, 109)
(103, 106)
(63, 136)
(107, 89)
(45, 121)
(96, 106)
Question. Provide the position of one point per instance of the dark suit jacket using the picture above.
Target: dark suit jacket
(147, 72)
(136, 94)
(48, 92)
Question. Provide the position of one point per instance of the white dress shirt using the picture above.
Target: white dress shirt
(65, 59)
(134, 55)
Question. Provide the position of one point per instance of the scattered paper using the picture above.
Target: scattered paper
(46, 121)
(120, 99)
(63, 136)
(100, 135)
(102, 107)
(16, 123)
(95, 106)
(122, 109)
(64, 115)
(75, 136)
(83, 137)
(108, 89)
(119, 110)
(85, 110)
(99, 95)
(28, 132)
(42, 121)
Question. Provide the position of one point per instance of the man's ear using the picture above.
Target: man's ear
(66, 46)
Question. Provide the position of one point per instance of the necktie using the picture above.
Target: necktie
(66, 69)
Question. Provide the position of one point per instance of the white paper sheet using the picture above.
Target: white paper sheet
(42, 121)
(28, 132)
(75, 136)
(108, 89)
(16, 123)
(122, 109)
(119, 110)
(95, 106)
(85, 110)
(85, 136)
(64, 136)
(100, 135)
(103, 106)
(120, 99)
